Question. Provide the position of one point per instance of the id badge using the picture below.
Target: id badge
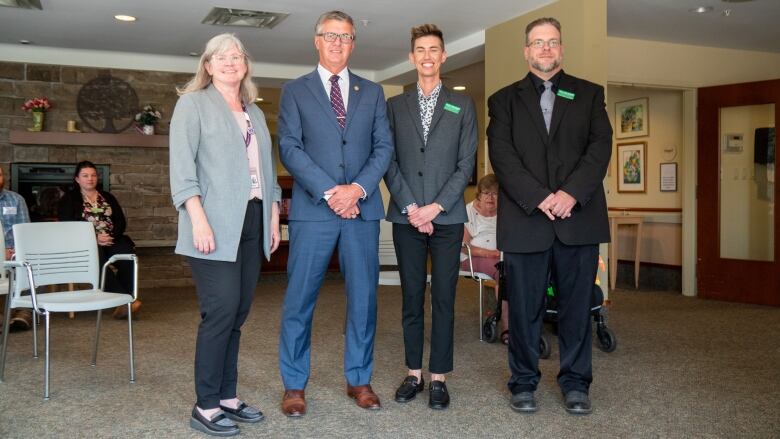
(9, 210)
(254, 178)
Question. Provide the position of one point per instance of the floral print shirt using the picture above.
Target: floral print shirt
(99, 215)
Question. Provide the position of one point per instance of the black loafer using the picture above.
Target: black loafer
(219, 425)
(524, 402)
(409, 389)
(577, 403)
(243, 413)
(439, 398)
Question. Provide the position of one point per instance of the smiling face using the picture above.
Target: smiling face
(228, 67)
(427, 56)
(87, 179)
(334, 55)
(545, 61)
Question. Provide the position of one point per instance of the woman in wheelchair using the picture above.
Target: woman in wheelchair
(85, 202)
(480, 234)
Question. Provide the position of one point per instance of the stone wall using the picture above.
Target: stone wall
(139, 176)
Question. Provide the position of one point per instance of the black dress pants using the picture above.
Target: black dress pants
(225, 292)
(573, 274)
(122, 280)
(411, 248)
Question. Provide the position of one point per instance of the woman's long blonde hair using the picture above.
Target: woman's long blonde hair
(220, 44)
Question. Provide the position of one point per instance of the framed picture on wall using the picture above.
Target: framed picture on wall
(632, 167)
(632, 118)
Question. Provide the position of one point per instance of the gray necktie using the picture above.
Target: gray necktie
(547, 101)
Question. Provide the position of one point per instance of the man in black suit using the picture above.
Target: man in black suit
(550, 142)
(435, 133)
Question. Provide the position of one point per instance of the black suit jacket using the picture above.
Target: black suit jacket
(531, 164)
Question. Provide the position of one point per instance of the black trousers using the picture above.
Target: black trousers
(122, 280)
(411, 248)
(225, 292)
(573, 273)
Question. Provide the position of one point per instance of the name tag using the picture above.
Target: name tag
(451, 108)
(254, 178)
(565, 94)
(9, 210)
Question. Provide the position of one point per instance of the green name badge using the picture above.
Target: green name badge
(565, 94)
(452, 108)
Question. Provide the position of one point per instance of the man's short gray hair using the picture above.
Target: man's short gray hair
(539, 22)
(333, 15)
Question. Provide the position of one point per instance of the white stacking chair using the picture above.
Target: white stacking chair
(481, 279)
(387, 256)
(57, 254)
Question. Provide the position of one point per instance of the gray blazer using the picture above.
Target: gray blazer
(439, 170)
(208, 158)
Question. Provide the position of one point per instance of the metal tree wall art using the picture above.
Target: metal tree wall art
(107, 104)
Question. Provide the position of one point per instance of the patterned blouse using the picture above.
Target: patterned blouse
(427, 105)
(99, 215)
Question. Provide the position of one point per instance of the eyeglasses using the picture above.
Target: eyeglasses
(222, 59)
(331, 37)
(489, 194)
(539, 44)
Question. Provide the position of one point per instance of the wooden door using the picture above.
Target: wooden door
(737, 226)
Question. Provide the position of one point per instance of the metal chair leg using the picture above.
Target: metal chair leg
(130, 341)
(35, 334)
(97, 337)
(479, 326)
(6, 325)
(46, 319)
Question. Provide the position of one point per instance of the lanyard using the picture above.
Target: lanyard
(249, 129)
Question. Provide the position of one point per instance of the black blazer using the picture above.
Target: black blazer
(530, 164)
(71, 206)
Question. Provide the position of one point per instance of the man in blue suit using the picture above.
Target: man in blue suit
(335, 140)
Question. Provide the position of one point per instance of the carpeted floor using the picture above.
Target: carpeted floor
(683, 368)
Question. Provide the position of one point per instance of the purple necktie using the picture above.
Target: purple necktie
(337, 102)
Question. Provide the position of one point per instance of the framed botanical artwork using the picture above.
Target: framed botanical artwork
(632, 118)
(632, 167)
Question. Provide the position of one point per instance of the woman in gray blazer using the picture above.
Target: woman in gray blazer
(223, 184)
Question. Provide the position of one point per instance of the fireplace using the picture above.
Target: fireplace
(42, 185)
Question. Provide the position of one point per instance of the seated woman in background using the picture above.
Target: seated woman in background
(480, 234)
(85, 202)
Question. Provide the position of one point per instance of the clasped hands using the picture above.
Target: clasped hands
(558, 205)
(422, 217)
(343, 200)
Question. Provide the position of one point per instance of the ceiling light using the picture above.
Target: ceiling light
(459, 87)
(121, 17)
(194, 54)
(736, 1)
(259, 99)
(701, 9)
(25, 42)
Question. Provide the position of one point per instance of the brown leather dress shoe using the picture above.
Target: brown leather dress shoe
(364, 397)
(294, 403)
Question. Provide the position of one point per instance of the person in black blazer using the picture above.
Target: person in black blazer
(435, 133)
(85, 202)
(550, 142)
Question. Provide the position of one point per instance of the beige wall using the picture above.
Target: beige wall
(748, 234)
(680, 65)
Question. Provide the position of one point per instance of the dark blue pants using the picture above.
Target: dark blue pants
(225, 293)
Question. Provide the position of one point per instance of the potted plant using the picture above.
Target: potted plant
(147, 118)
(37, 106)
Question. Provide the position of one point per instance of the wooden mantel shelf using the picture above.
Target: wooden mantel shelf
(60, 138)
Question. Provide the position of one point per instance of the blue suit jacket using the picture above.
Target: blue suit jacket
(320, 155)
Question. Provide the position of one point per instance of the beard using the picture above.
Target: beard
(546, 68)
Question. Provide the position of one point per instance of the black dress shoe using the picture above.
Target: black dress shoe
(409, 389)
(524, 402)
(439, 396)
(219, 425)
(243, 413)
(577, 403)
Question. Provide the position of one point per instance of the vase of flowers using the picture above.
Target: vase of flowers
(38, 107)
(147, 118)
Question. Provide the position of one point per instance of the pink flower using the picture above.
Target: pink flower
(37, 104)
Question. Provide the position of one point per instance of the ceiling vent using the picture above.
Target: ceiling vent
(23, 4)
(243, 17)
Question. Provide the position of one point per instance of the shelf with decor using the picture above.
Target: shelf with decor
(61, 138)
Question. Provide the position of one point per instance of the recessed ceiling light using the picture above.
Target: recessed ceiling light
(25, 42)
(459, 87)
(121, 17)
(259, 99)
(701, 9)
(194, 54)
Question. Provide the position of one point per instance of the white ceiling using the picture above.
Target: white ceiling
(167, 30)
